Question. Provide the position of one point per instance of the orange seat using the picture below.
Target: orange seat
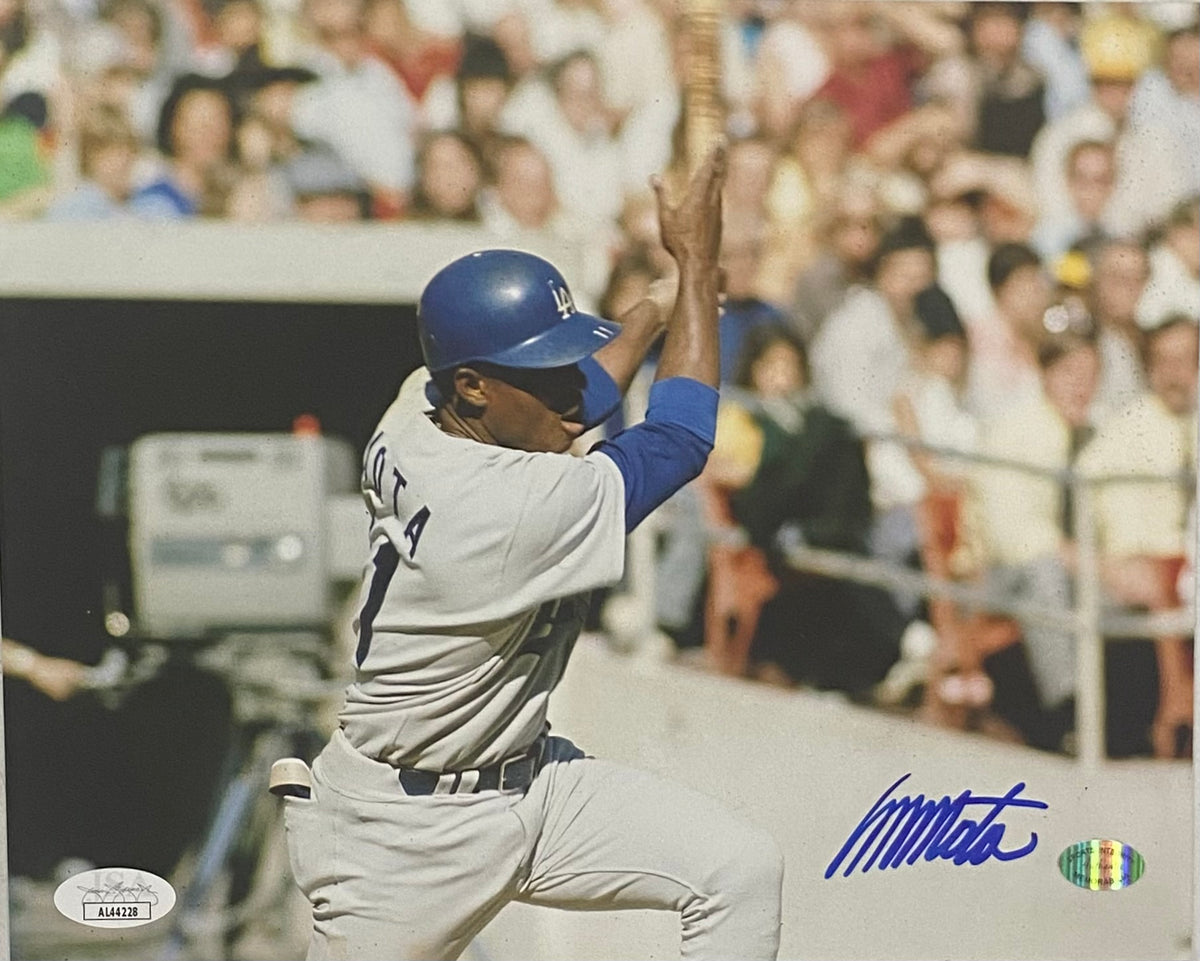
(739, 584)
(957, 690)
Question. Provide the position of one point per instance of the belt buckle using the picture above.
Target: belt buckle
(507, 765)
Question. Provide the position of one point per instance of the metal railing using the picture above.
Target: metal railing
(1088, 619)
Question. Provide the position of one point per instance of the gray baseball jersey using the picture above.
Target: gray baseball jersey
(481, 561)
(476, 589)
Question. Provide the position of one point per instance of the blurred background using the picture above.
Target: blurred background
(952, 496)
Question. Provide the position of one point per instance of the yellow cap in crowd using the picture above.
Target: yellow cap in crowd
(1073, 270)
(1117, 47)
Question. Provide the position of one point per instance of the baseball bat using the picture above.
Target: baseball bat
(703, 111)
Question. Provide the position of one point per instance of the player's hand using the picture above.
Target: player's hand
(56, 677)
(691, 229)
(663, 293)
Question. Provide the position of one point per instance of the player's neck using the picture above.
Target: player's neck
(456, 425)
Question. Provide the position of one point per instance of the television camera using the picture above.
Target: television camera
(235, 551)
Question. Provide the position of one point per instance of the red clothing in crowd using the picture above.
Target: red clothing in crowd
(436, 59)
(874, 95)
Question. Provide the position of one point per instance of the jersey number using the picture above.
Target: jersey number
(386, 560)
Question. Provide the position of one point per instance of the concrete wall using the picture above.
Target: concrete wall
(809, 767)
(214, 260)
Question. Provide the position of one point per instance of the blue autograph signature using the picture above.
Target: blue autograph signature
(933, 828)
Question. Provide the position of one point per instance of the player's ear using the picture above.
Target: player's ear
(470, 391)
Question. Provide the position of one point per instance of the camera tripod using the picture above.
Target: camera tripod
(277, 686)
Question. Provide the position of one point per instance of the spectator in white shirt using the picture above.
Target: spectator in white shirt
(357, 106)
(927, 407)
(861, 357)
(30, 57)
(640, 87)
(576, 138)
(557, 28)
(1150, 177)
(1091, 177)
(1144, 526)
(1168, 98)
(1026, 517)
(1174, 284)
(790, 67)
(929, 404)
(1003, 370)
(861, 353)
(1119, 270)
(1050, 44)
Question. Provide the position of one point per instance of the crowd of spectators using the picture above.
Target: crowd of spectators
(975, 225)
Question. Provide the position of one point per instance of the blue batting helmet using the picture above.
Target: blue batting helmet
(508, 308)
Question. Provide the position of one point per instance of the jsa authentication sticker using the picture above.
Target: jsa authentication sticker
(114, 897)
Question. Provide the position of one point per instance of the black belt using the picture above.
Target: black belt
(514, 773)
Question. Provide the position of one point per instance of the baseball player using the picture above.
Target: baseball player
(442, 796)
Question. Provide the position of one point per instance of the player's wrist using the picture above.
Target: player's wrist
(646, 316)
(699, 282)
(20, 661)
(700, 257)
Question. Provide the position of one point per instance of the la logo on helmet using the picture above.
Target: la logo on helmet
(564, 302)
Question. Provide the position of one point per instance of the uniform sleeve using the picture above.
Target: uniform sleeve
(668, 449)
(569, 534)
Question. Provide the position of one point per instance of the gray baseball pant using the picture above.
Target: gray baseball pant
(397, 876)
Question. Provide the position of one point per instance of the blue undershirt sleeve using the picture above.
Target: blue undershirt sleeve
(669, 448)
(601, 395)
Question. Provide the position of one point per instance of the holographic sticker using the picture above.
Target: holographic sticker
(1101, 865)
(114, 897)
